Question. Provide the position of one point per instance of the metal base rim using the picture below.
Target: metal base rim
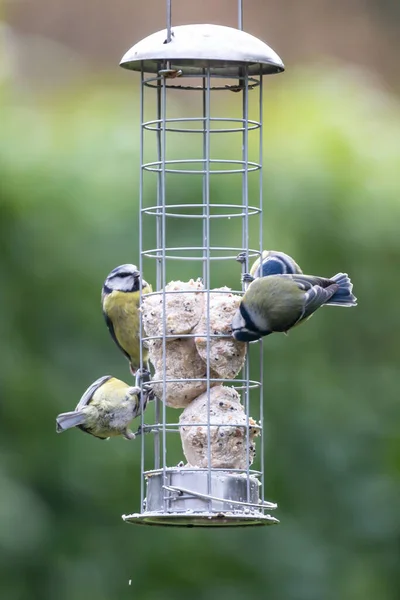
(200, 520)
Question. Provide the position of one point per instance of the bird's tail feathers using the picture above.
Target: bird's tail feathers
(343, 296)
(68, 420)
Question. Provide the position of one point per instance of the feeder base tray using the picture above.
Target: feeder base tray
(200, 520)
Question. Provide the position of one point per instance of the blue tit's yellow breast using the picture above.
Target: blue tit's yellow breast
(110, 410)
(112, 392)
(113, 385)
(122, 308)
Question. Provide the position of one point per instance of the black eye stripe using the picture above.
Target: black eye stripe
(119, 274)
(247, 319)
(286, 264)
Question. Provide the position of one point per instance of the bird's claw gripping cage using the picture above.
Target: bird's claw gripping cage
(210, 60)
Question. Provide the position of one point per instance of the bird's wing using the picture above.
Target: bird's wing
(316, 296)
(306, 282)
(140, 400)
(114, 337)
(318, 290)
(87, 396)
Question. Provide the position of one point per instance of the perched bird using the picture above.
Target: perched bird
(279, 302)
(106, 409)
(274, 263)
(120, 299)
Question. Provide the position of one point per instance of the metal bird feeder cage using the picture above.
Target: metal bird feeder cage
(206, 66)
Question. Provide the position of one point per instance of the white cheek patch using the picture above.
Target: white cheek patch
(260, 321)
(123, 284)
(238, 321)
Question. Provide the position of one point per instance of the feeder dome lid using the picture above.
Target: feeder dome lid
(194, 47)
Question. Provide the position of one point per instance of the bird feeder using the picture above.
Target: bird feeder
(200, 370)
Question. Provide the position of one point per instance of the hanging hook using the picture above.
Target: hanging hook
(169, 21)
(240, 15)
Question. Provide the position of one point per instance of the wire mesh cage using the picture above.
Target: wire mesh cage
(199, 367)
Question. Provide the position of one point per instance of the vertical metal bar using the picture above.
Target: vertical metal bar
(141, 174)
(245, 165)
(261, 347)
(206, 245)
(164, 276)
(204, 213)
(158, 262)
(245, 244)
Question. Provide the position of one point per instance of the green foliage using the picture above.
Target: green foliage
(69, 214)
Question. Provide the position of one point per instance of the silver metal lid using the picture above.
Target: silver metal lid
(195, 47)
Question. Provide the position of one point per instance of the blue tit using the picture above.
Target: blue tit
(120, 299)
(279, 302)
(274, 263)
(106, 409)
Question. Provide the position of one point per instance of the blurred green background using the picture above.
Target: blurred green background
(69, 160)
